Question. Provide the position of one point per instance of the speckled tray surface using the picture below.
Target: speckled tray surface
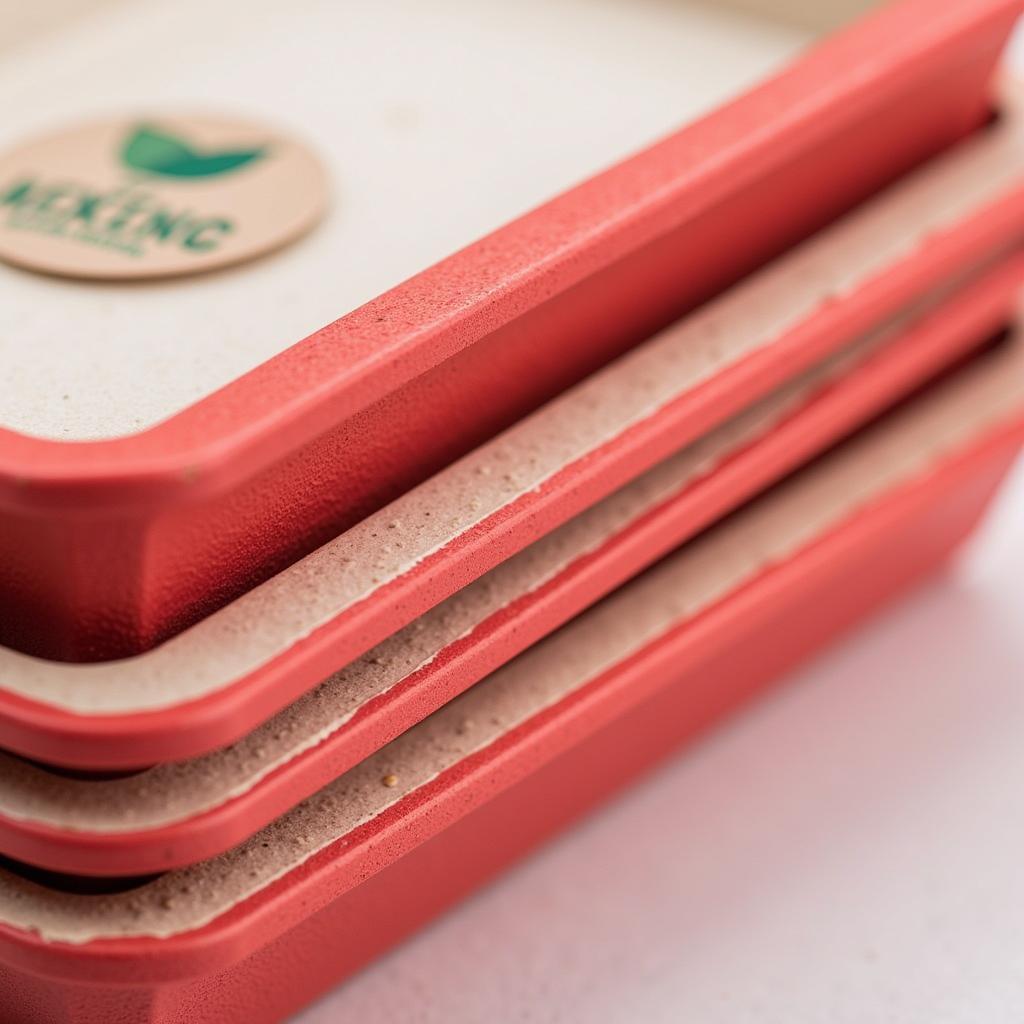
(219, 679)
(554, 505)
(981, 401)
(189, 507)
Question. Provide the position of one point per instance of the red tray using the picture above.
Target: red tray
(280, 948)
(108, 547)
(527, 615)
(60, 734)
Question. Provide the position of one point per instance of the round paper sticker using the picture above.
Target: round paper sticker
(138, 198)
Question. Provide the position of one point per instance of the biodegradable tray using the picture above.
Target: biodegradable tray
(437, 811)
(109, 544)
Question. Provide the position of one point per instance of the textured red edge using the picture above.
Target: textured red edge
(282, 947)
(50, 734)
(941, 338)
(367, 353)
(108, 548)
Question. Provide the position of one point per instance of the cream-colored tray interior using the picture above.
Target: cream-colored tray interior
(438, 122)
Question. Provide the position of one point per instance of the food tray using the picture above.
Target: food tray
(255, 935)
(114, 538)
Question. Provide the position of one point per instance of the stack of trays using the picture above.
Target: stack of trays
(289, 672)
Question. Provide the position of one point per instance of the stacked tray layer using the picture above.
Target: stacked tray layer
(113, 539)
(453, 798)
(303, 775)
(948, 235)
(134, 825)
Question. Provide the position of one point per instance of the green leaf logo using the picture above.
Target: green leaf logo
(156, 152)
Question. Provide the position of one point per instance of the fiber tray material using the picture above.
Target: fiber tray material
(257, 932)
(113, 538)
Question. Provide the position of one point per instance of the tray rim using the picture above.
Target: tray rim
(320, 380)
(953, 327)
(427, 811)
(42, 730)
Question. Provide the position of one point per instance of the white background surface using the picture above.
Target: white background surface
(849, 849)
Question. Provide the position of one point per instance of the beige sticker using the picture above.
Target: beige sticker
(155, 197)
